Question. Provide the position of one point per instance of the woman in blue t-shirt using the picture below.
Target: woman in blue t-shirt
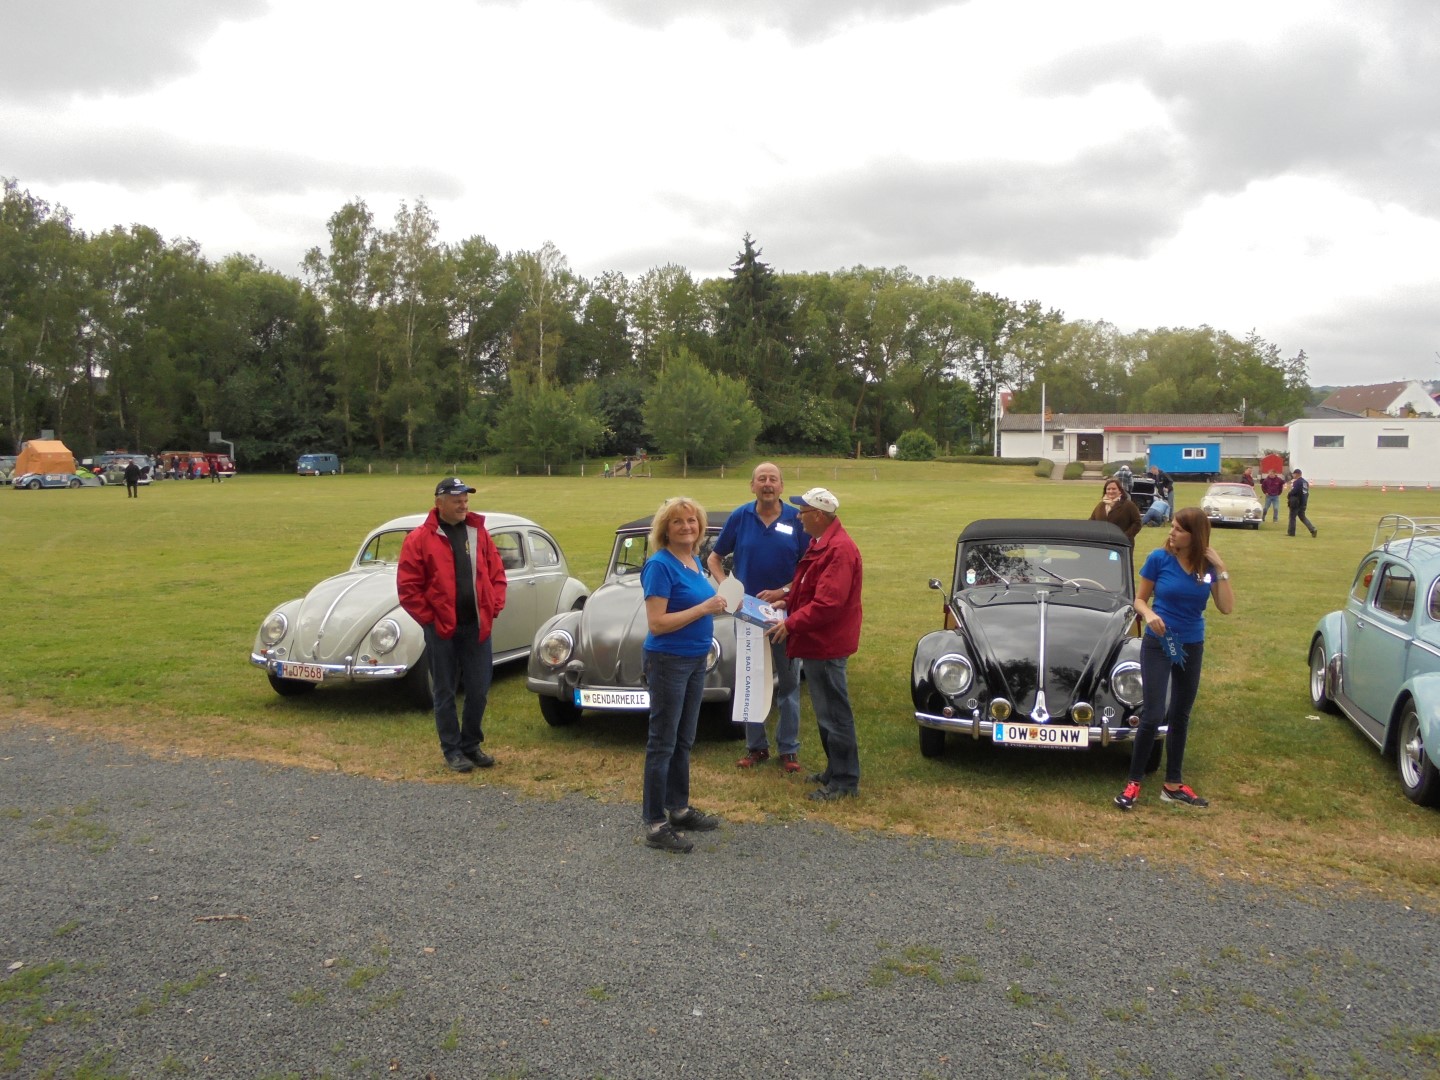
(680, 604)
(1176, 582)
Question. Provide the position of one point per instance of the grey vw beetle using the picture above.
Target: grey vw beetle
(351, 628)
(592, 659)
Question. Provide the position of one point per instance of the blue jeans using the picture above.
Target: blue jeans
(676, 683)
(787, 700)
(1272, 502)
(465, 659)
(1163, 678)
(831, 700)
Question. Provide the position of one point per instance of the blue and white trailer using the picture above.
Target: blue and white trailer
(1196, 460)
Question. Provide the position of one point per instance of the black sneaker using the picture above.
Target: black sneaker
(1126, 799)
(1182, 794)
(694, 820)
(817, 778)
(667, 839)
(458, 762)
(830, 794)
(479, 758)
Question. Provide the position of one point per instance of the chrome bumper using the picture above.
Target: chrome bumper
(981, 728)
(362, 673)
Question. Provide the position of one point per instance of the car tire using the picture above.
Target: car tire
(1418, 775)
(1319, 689)
(289, 687)
(716, 722)
(33, 485)
(557, 711)
(74, 483)
(932, 743)
(1157, 754)
(419, 687)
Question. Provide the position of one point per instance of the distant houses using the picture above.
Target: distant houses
(1387, 433)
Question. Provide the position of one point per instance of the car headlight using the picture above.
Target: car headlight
(385, 636)
(273, 628)
(713, 656)
(555, 648)
(1126, 682)
(952, 674)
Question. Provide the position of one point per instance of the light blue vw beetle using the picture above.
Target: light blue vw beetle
(1377, 661)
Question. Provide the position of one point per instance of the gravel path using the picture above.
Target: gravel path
(199, 918)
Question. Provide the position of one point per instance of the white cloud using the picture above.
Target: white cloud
(1241, 165)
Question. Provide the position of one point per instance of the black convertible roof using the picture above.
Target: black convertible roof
(714, 518)
(1086, 532)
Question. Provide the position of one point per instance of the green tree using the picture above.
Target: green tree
(703, 417)
(548, 425)
(344, 280)
(753, 336)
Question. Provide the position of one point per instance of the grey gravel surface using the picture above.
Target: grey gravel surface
(221, 918)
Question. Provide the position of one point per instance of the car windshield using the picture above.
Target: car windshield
(1055, 563)
(1231, 491)
(633, 548)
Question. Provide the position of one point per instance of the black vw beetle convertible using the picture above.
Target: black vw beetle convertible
(1039, 647)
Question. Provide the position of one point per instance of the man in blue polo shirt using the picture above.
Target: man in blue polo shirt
(768, 541)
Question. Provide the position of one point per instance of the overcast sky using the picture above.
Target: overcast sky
(1262, 164)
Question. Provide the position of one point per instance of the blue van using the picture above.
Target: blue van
(317, 465)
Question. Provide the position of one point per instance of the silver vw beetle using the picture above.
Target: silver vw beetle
(593, 659)
(350, 628)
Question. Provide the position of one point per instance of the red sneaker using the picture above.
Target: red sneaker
(753, 758)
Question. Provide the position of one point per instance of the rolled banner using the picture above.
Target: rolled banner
(753, 675)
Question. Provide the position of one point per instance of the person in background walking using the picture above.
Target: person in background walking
(1299, 502)
(1272, 484)
(132, 480)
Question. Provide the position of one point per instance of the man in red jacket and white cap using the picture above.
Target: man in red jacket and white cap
(451, 581)
(822, 630)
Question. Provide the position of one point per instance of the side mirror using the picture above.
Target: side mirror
(935, 584)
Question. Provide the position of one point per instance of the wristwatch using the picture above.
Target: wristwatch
(1224, 575)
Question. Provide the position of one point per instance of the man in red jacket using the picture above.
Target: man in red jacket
(452, 582)
(822, 630)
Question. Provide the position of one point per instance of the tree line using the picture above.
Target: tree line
(392, 343)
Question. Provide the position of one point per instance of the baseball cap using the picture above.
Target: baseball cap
(453, 485)
(819, 498)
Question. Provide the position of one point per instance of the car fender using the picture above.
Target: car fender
(535, 669)
(1425, 691)
(1329, 630)
(573, 595)
(929, 648)
(288, 609)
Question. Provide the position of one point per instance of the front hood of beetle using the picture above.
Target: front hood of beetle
(612, 634)
(1007, 634)
(338, 613)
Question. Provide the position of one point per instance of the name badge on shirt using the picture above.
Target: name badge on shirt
(787, 530)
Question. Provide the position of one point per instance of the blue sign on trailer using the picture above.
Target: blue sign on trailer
(1198, 459)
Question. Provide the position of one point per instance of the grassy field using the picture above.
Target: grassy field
(132, 619)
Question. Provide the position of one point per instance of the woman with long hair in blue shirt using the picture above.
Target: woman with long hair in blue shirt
(1176, 583)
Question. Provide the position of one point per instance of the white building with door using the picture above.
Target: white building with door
(1360, 450)
(1101, 437)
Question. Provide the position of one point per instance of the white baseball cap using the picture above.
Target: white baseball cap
(819, 499)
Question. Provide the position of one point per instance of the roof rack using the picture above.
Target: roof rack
(1393, 530)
